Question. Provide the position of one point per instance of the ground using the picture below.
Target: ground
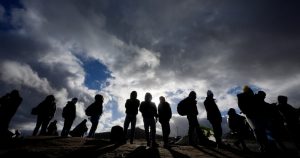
(57, 147)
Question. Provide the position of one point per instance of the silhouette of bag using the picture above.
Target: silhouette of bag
(181, 108)
(117, 135)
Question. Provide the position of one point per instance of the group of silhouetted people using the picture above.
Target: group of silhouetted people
(264, 120)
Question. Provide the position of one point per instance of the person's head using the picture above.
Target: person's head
(193, 95)
(74, 100)
(162, 99)
(231, 112)
(133, 95)
(14, 93)
(148, 97)
(261, 94)
(50, 98)
(98, 98)
(248, 90)
(282, 99)
(210, 94)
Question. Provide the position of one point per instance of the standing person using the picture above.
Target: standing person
(45, 112)
(132, 106)
(8, 107)
(95, 111)
(164, 115)
(291, 118)
(190, 106)
(238, 126)
(214, 117)
(69, 114)
(149, 113)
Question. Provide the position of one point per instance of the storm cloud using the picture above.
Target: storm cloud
(162, 47)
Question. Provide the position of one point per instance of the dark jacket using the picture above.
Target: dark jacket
(246, 103)
(69, 111)
(148, 109)
(95, 109)
(191, 106)
(46, 109)
(164, 112)
(132, 106)
(289, 113)
(212, 110)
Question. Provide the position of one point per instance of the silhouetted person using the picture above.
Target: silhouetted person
(9, 105)
(45, 112)
(164, 115)
(132, 107)
(275, 125)
(291, 117)
(253, 107)
(149, 113)
(95, 111)
(80, 129)
(214, 117)
(69, 114)
(52, 129)
(17, 133)
(190, 104)
(238, 126)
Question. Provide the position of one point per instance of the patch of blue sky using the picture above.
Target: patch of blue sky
(116, 114)
(8, 6)
(97, 74)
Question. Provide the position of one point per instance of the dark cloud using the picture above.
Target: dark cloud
(158, 46)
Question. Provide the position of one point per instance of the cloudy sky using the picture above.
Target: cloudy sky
(78, 48)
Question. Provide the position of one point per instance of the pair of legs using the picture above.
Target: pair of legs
(41, 121)
(150, 123)
(194, 124)
(165, 125)
(217, 128)
(67, 127)
(259, 126)
(94, 120)
(130, 119)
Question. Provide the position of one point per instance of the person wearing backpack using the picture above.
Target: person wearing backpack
(69, 114)
(189, 106)
(95, 111)
(149, 113)
(132, 107)
(45, 112)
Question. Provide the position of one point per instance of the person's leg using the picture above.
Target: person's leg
(191, 129)
(67, 126)
(37, 126)
(217, 131)
(166, 131)
(153, 131)
(133, 122)
(146, 126)
(126, 124)
(94, 121)
(45, 123)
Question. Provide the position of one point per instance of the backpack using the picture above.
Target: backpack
(181, 108)
(89, 111)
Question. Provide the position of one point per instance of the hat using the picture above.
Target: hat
(209, 93)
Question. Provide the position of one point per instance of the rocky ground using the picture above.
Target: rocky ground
(57, 147)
